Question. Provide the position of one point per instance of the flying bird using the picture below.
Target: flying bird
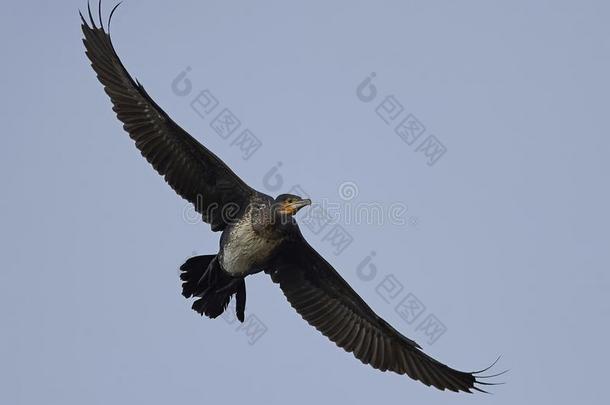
(259, 233)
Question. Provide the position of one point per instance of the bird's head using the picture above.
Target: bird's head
(289, 204)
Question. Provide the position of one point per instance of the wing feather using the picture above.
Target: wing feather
(193, 171)
(327, 302)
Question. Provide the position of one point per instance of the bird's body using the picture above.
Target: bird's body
(259, 233)
(250, 242)
(243, 250)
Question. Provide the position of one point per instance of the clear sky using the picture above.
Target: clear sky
(503, 171)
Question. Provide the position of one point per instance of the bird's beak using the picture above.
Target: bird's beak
(300, 204)
(295, 206)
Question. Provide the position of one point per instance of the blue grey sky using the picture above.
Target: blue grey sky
(505, 243)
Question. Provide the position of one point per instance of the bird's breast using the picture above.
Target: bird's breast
(244, 249)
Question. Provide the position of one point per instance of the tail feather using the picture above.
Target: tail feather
(212, 304)
(204, 278)
(192, 271)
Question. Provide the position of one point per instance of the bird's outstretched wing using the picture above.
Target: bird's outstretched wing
(189, 168)
(325, 300)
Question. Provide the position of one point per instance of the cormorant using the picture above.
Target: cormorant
(259, 233)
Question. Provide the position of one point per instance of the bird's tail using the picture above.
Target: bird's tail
(203, 277)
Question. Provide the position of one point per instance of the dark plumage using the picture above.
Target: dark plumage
(259, 233)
